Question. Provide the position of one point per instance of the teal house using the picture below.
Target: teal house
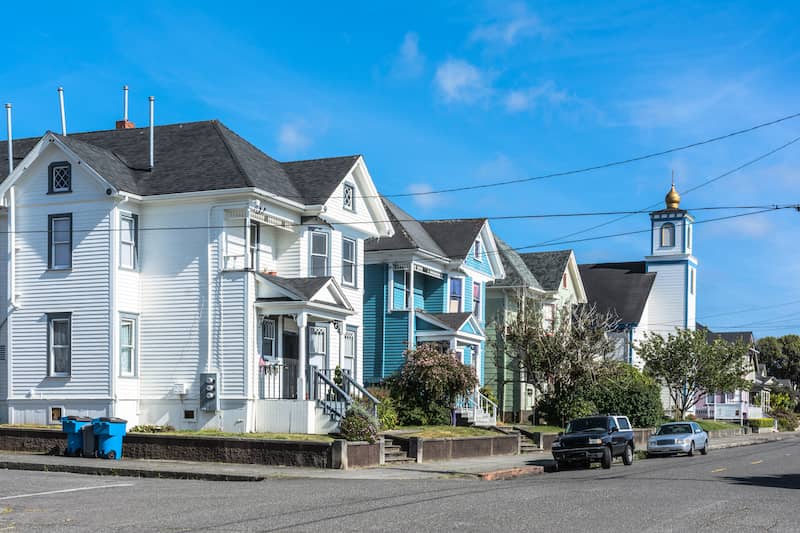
(426, 284)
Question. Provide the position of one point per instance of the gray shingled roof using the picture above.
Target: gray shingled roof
(728, 336)
(455, 236)
(408, 233)
(622, 288)
(547, 267)
(195, 156)
(452, 320)
(517, 273)
(303, 288)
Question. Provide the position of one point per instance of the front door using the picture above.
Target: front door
(290, 356)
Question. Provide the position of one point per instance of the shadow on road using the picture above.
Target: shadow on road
(783, 481)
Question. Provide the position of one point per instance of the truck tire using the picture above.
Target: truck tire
(627, 456)
(606, 461)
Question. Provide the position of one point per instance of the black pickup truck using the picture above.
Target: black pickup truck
(595, 439)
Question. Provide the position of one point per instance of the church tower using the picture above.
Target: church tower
(673, 296)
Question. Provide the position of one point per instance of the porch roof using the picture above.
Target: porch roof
(462, 326)
(314, 295)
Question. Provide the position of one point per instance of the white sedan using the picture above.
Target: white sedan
(678, 437)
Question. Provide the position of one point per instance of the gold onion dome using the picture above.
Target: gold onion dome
(673, 199)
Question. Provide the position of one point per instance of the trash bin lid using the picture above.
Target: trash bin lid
(112, 419)
(78, 418)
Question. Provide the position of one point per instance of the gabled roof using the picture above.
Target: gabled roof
(731, 337)
(547, 267)
(408, 234)
(452, 321)
(455, 236)
(192, 157)
(622, 288)
(305, 289)
(517, 272)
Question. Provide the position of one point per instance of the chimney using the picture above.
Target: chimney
(125, 124)
(152, 157)
(10, 141)
(63, 114)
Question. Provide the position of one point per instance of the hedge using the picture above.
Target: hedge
(760, 422)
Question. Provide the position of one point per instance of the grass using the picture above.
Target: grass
(713, 425)
(540, 429)
(437, 432)
(31, 426)
(265, 436)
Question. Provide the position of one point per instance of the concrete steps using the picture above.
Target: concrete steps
(396, 452)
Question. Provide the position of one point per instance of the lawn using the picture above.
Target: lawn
(540, 429)
(437, 432)
(265, 436)
(713, 425)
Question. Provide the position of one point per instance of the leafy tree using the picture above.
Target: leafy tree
(559, 357)
(781, 356)
(689, 366)
(428, 385)
(623, 389)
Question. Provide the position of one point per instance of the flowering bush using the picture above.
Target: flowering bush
(358, 425)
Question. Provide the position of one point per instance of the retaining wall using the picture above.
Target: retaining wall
(444, 449)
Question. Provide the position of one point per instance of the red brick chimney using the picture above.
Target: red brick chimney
(125, 124)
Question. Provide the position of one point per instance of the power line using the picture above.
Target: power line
(703, 184)
(749, 309)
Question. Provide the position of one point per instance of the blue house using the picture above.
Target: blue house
(426, 284)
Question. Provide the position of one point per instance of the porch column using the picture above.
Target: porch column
(341, 329)
(412, 341)
(302, 359)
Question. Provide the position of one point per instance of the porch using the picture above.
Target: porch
(733, 406)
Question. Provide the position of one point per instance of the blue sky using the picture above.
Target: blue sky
(455, 93)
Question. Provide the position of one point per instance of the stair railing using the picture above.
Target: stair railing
(348, 382)
(486, 405)
(328, 395)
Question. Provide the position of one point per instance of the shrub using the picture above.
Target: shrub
(760, 422)
(489, 393)
(781, 401)
(358, 425)
(387, 414)
(623, 389)
(558, 411)
(787, 420)
(149, 428)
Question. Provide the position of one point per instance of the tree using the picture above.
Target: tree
(689, 366)
(623, 389)
(559, 357)
(428, 385)
(781, 356)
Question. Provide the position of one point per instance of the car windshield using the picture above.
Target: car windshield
(598, 423)
(674, 429)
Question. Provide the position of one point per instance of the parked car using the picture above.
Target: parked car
(678, 437)
(594, 439)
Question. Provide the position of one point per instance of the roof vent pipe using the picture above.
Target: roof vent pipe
(10, 142)
(152, 105)
(63, 115)
(124, 124)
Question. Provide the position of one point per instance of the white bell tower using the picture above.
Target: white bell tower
(674, 293)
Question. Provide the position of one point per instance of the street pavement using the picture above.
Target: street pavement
(752, 488)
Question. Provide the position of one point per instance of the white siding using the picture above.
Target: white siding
(668, 298)
(3, 314)
(84, 290)
(292, 254)
(229, 356)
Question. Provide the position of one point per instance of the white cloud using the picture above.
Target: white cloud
(526, 99)
(509, 28)
(293, 138)
(409, 62)
(460, 81)
(425, 201)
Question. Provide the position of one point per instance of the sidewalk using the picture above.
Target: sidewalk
(497, 467)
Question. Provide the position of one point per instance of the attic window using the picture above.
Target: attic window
(564, 280)
(477, 249)
(59, 177)
(348, 193)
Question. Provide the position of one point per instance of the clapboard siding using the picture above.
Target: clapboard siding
(668, 296)
(374, 309)
(396, 341)
(435, 295)
(230, 360)
(3, 312)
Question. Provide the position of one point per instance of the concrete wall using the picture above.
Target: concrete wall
(427, 450)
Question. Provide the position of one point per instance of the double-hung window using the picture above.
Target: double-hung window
(668, 235)
(127, 346)
(348, 261)
(59, 344)
(267, 338)
(319, 253)
(59, 236)
(255, 235)
(317, 340)
(476, 299)
(128, 237)
(350, 342)
(454, 305)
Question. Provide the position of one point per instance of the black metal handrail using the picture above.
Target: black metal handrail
(360, 388)
(333, 400)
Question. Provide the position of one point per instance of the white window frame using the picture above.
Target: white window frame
(133, 346)
(52, 318)
(689, 237)
(254, 230)
(51, 177)
(317, 330)
(664, 227)
(262, 336)
(133, 244)
(450, 294)
(476, 309)
(692, 282)
(52, 219)
(352, 189)
(349, 264)
(352, 333)
(312, 254)
(476, 250)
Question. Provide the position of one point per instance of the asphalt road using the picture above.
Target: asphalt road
(753, 488)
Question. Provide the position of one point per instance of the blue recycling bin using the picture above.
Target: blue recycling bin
(109, 432)
(73, 427)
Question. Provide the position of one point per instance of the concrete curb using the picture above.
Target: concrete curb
(510, 473)
(126, 472)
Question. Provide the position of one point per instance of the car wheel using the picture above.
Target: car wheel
(704, 451)
(606, 461)
(691, 450)
(557, 466)
(627, 457)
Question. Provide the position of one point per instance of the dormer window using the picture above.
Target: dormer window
(476, 250)
(59, 178)
(668, 235)
(348, 194)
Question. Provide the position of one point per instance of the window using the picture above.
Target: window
(623, 423)
(348, 195)
(476, 299)
(59, 236)
(55, 414)
(691, 280)
(267, 338)
(668, 235)
(255, 234)
(710, 398)
(128, 237)
(127, 347)
(59, 344)
(476, 250)
(350, 342)
(59, 177)
(189, 414)
(401, 290)
(549, 316)
(564, 280)
(689, 237)
(348, 261)
(319, 253)
(455, 295)
(317, 340)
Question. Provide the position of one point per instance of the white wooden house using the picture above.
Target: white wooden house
(207, 286)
